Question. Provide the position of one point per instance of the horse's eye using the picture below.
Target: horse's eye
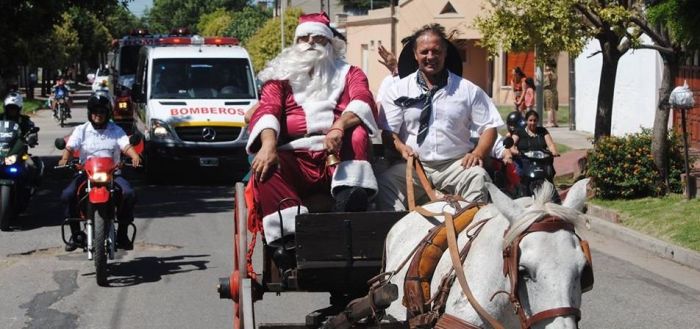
(524, 273)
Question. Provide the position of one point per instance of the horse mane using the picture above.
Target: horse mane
(540, 208)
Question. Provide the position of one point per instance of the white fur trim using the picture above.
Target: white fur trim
(313, 143)
(313, 28)
(354, 173)
(364, 112)
(271, 222)
(319, 115)
(265, 122)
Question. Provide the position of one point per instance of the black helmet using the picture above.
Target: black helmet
(514, 120)
(99, 103)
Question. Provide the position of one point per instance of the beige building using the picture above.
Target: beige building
(382, 27)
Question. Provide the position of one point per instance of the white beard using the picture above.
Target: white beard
(296, 62)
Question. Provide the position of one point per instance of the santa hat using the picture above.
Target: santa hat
(314, 24)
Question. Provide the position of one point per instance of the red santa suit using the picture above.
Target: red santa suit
(301, 125)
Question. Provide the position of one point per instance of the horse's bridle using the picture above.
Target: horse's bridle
(511, 260)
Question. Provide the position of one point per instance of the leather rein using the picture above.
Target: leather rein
(511, 259)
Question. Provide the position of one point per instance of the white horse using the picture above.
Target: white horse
(550, 264)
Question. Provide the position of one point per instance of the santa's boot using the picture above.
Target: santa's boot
(351, 199)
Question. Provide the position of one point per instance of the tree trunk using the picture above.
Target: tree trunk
(659, 142)
(608, 74)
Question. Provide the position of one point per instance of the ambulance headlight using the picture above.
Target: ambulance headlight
(160, 129)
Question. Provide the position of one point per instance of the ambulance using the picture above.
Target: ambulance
(191, 94)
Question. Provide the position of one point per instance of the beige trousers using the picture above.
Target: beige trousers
(448, 177)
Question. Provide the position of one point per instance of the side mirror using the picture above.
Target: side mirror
(508, 142)
(32, 140)
(135, 139)
(136, 94)
(60, 143)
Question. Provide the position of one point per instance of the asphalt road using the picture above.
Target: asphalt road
(184, 245)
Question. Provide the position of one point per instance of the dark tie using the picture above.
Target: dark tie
(427, 99)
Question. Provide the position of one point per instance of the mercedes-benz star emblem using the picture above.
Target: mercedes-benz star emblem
(208, 133)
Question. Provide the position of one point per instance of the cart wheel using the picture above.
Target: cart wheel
(243, 305)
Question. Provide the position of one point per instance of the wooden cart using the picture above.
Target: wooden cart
(333, 252)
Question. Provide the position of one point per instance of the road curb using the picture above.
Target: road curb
(658, 247)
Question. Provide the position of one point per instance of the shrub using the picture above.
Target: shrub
(623, 167)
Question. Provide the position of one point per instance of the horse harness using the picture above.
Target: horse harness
(511, 259)
(427, 312)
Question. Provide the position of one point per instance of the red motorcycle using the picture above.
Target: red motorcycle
(98, 198)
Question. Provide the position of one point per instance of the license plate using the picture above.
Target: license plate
(208, 162)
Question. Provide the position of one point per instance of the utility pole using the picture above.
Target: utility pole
(282, 22)
(392, 9)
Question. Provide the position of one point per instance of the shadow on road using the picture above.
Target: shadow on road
(186, 193)
(152, 269)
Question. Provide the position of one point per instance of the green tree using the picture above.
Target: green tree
(92, 33)
(565, 25)
(120, 22)
(265, 44)
(673, 28)
(168, 14)
(247, 21)
(214, 23)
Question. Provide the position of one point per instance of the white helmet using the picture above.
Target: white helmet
(14, 99)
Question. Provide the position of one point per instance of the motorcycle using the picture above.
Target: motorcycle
(62, 112)
(536, 167)
(18, 180)
(98, 200)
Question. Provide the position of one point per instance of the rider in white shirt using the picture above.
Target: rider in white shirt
(99, 138)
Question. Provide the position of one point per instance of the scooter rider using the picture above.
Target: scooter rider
(99, 137)
(61, 90)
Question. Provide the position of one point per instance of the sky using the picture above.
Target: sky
(138, 6)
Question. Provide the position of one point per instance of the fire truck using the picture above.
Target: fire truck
(124, 62)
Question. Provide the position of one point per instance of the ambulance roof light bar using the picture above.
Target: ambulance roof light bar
(139, 32)
(220, 41)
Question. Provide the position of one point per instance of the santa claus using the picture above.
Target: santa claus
(313, 104)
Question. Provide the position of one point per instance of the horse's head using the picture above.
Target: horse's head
(545, 260)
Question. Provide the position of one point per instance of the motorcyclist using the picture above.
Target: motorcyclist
(61, 90)
(13, 112)
(99, 138)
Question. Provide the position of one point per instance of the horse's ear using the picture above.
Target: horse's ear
(576, 198)
(509, 208)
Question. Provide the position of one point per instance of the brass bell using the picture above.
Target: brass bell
(332, 160)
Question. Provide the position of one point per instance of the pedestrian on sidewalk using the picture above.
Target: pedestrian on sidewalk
(551, 96)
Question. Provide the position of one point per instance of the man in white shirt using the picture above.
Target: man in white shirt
(99, 138)
(431, 113)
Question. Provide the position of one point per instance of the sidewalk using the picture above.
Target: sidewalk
(603, 220)
(579, 142)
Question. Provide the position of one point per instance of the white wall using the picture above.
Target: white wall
(636, 89)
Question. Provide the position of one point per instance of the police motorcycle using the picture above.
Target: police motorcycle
(18, 180)
(98, 200)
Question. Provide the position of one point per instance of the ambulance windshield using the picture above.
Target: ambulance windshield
(202, 78)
